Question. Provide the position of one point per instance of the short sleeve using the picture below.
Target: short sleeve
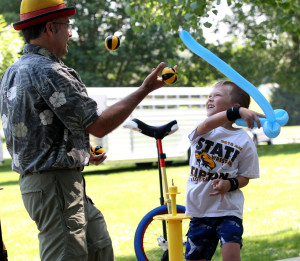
(249, 164)
(66, 95)
(191, 135)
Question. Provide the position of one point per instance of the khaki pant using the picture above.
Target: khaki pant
(71, 227)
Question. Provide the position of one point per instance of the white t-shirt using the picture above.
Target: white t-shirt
(220, 153)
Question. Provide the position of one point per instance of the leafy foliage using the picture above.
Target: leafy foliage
(268, 52)
(139, 51)
(10, 45)
(288, 100)
(10, 10)
(172, 13)
(273, 27)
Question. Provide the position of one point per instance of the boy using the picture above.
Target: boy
(223, 159)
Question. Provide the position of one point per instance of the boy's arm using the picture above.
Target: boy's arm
(211, 123)
(220, 119)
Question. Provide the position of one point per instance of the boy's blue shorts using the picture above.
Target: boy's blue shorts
(205, 233)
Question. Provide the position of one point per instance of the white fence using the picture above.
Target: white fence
(184, 104)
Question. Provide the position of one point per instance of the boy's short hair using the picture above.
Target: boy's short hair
(237, 94)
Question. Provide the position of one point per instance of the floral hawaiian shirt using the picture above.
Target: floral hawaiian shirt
(45, 110)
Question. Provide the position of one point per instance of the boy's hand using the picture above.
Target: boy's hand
(250, 116)
(220, 186)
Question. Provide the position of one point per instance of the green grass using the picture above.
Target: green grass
(125, 194)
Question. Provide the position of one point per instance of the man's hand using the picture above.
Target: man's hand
(97, 159)
(153, 81)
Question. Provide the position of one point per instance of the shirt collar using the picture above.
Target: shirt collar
(35, 49)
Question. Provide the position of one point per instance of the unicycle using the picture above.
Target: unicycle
(150, 240)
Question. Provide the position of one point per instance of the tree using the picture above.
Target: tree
(128, 65)
(273, 27)
(140, 49)
(173, 14)
(149, 33)
(288, 100)
(146, 39)
(10, 45)
(10, 10)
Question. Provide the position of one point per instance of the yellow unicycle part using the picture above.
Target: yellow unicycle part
(174, 227)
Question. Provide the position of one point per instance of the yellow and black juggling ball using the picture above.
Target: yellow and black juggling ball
(169, 75)
(112, 42)
(97, 150)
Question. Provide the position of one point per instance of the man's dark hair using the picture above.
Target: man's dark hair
(33, 32)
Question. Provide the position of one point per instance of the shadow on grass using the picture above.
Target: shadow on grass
(9, 183)
(13, 177)
(280, 245)
(6, 166)
(263, 150)
(126, 258)
(268, 150)
(116, 169)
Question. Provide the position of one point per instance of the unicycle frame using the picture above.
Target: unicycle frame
(163, 182)
(158, 133)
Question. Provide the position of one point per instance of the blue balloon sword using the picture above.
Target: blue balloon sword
(274, 118)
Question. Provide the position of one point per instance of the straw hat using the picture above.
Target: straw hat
(33, 12)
